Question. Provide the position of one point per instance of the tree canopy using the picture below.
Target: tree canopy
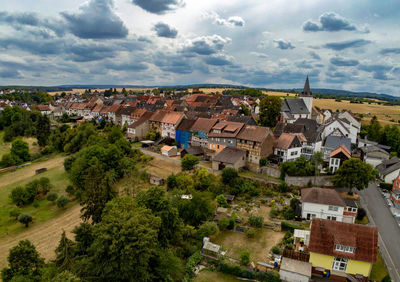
(270, 108)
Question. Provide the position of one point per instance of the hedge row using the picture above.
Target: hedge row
(285, 226)
(238, 271)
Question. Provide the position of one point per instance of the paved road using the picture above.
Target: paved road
(389, 231)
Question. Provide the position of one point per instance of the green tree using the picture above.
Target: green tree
(189, 161)
(25, 219)
(125, 241)
(228, 175)
(270, 109)
(66, 276)
(15, 214)
(65, 252)
(199, 209)
(354, 173)
(20, 150)
(62, 201)
(245, 258)
(42, 130)
(256, 221)
(207, 229)
(52, 197)
(221, 200)
(23, 260)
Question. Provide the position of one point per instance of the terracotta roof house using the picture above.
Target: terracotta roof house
(257, 141)
(124, 115)
(156, 119)
(229, 157)
(337, 157)
(138, 129)
(44, 109)
(96, 110)
(169, 124)
(345, 250)
(112, 112)
(288, 147)
(223, 134)
(200, 129)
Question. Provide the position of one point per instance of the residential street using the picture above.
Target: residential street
(389, 231)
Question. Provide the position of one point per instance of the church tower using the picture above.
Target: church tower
(307, 96)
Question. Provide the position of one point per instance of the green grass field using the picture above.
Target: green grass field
(378, 271)
(207, 275)
(45, 209)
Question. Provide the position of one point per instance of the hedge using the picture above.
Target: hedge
(238, 271)
(386, 186)
(285, 226)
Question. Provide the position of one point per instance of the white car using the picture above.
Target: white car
(389, 202)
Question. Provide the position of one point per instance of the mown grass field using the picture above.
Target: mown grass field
(207, 276)
(259, 246)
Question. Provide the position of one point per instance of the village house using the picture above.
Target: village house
(373, 155)
(112, 112)
(200, 130)
(184, 133)
(288, 147)
(44, 109)
(337, 127)
(223, 134)
(156, 119)
(389, 169)
(337, 157)
(229, 157)
(124, 115)
(344, 250)
(334, 142)
(258, 142)
(138, 129)
(169, 124)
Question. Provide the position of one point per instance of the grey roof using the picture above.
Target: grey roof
(350, 203)
(294, 106)
(194, 150)
(366, 141)
(388, 166)
(229, 155)
(373, 148)
(310, 124)
(333, 142)
(248, 120)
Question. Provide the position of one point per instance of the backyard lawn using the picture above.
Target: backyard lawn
(378, 271)
(259, 246)
(206, 276)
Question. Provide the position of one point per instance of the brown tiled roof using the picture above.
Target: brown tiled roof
(97, 108)
(342, 149)
(145, 117)
(158, 115)
(229, 155)
(325, 234)
(104, 110)
(172, 117)
(186, 125)
(204, 124)
(114, 108)
(285, 140)
(137, 113)
(322, 196)
(254, 133)
(230, 129)
(43, 107)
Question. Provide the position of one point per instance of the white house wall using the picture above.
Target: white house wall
(321, 211)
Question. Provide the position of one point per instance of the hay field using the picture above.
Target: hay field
(383, 113)
(81, 91)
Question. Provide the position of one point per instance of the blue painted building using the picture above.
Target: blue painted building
(183, 133)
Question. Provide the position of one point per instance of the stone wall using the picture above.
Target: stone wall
(271, 171)
(302, 181)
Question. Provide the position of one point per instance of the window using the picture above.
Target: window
(337, 161)
(345, 249)
(339, 264)
(333, 208)
(331, 217)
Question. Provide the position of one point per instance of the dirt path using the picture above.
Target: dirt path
(29, 171)
(45, 236)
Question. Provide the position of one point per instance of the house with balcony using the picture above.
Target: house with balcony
(257, 141)
(344, 251)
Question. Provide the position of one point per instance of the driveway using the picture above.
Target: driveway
(389, 230)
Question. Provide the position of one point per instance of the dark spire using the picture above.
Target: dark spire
(306, 91)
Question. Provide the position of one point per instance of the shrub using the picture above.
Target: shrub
(207, 229)
(263, 162)
(361, 213)
(223, 223)
(221, 200)
(386, 278)
(191, 264)
(245, 258)
(386, 186)
(289, 226)
(288, 213)
(15, 213)
(250, 232)
(256, 221)
(189, 161)
(62, 201)
(36, 204)
(276, 250)
(228, 175)
(51, 197)
(25, 219)
(231, 223)
(20, 196)
(70, 190)
(44, 185)
(274, 212)
(283, 187)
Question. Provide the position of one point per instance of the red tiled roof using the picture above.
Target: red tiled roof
(172, 117)
(254, 133)
(158, 115)
(285, 140)
(342, 149)
(326, 234)
(43, 107)
(114, 108)
(97, 108)
(204, 124)
(230, 129)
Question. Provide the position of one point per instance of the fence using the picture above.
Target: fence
(303, 181)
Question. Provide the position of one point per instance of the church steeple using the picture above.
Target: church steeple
(306, 91)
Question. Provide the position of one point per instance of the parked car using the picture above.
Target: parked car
(389, 202)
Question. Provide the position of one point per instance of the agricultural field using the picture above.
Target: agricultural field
(81, 91)
(259, 246)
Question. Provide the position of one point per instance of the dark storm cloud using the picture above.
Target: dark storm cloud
(390, 51)
(218, 60)
(37, 47)
(378, 71)
(337, 61)
(164, 30)
(9, 73)
(329, 21)
(127, 66)
(158, 6)
(205, 45)
(283, 44)
(96, 20)
(172, 63)
(337, 46)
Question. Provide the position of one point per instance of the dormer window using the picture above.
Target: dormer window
(345, 249)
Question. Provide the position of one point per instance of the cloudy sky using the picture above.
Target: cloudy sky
(352, 45)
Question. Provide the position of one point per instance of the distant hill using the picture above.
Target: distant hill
(322, 91)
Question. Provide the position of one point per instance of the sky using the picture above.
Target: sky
(352, 45)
